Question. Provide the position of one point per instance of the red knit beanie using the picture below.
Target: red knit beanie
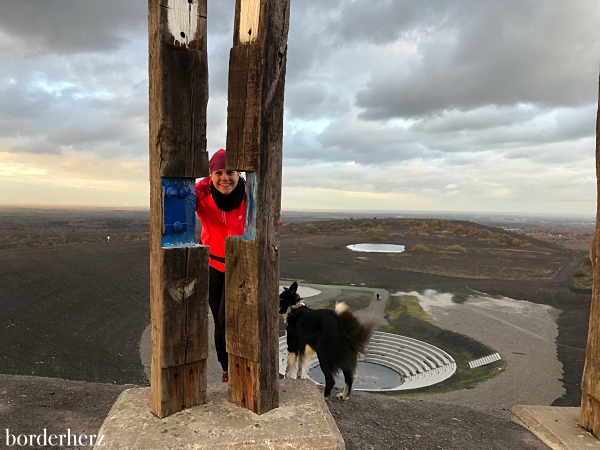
(218, 160)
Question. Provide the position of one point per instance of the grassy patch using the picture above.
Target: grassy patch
(462, 348)
(326, 305)
(583, 277)
(460, 298)
(367, 224)
(398, 255)
(420, 248)
(540, 275)
(456, 249)
(405, 304)
(355, 300)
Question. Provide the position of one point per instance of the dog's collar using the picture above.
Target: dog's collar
(298, 305)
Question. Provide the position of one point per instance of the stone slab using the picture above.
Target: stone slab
(557, 427)
(302, 421)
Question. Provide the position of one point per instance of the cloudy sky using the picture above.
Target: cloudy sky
(461, 105)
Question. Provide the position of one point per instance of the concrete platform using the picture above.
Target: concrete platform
(557, 427)
(302, 421)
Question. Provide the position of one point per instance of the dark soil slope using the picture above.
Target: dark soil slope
(74, 311)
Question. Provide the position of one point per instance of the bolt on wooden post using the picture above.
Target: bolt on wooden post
(178, 73)
(254, 144)
(589, 417)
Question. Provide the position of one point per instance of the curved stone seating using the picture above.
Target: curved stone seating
(418, 363)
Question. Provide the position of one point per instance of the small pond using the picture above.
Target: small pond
(379, 248)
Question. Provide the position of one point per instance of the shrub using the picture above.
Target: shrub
(377, 239)
(310, 228)
(420, 248)
(456, 249)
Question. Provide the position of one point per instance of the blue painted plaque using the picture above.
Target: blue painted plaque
(179, 212)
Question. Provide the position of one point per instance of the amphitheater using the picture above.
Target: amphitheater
(391, 363)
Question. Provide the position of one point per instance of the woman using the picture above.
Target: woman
(221, 206)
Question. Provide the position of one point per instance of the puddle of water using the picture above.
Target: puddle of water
(376, 248)
(432, 299)
(368, 376)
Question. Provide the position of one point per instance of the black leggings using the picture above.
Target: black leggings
(216, 300)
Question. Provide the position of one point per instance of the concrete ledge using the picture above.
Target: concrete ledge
(302, 421)
(557, 427)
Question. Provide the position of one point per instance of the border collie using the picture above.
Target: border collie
(336, 336)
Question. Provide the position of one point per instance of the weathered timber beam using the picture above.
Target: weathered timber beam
(178, 69)
(178, 74)
(254, 144)
(589, 417)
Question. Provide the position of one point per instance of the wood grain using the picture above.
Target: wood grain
(249, 21)
(178, 76)
(178, 95)
(254, 144)
(180, 387)
(589, 417)
(179, 311)
(244, 388)
(242, 322)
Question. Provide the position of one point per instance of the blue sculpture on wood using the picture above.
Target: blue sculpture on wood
(179, 212)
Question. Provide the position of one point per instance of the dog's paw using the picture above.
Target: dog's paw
(342, 396)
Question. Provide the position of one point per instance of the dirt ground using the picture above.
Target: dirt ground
(320, 256)
(450, 248)
(76, 313)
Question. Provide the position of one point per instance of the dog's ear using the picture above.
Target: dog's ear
(293, 288)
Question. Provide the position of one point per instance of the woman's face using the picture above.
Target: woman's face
(225, 181)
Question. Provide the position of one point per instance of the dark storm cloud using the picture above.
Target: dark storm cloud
(72, 117)
(477, 119)
(314, 100)
(77, 79)
(543, 53)
(71, 26)
(462, 99)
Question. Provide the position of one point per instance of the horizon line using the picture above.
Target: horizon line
(315, 210)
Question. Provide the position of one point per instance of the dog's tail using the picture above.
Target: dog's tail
(340, 308)
(356, 332)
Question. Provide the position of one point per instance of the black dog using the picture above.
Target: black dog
(336, 336)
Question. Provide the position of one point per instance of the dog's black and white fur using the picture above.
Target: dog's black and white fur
(336, 336)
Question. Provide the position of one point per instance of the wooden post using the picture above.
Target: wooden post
(254, 144)
(589, 417)
(178, 74)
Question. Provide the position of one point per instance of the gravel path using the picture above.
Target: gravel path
(525, 335)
